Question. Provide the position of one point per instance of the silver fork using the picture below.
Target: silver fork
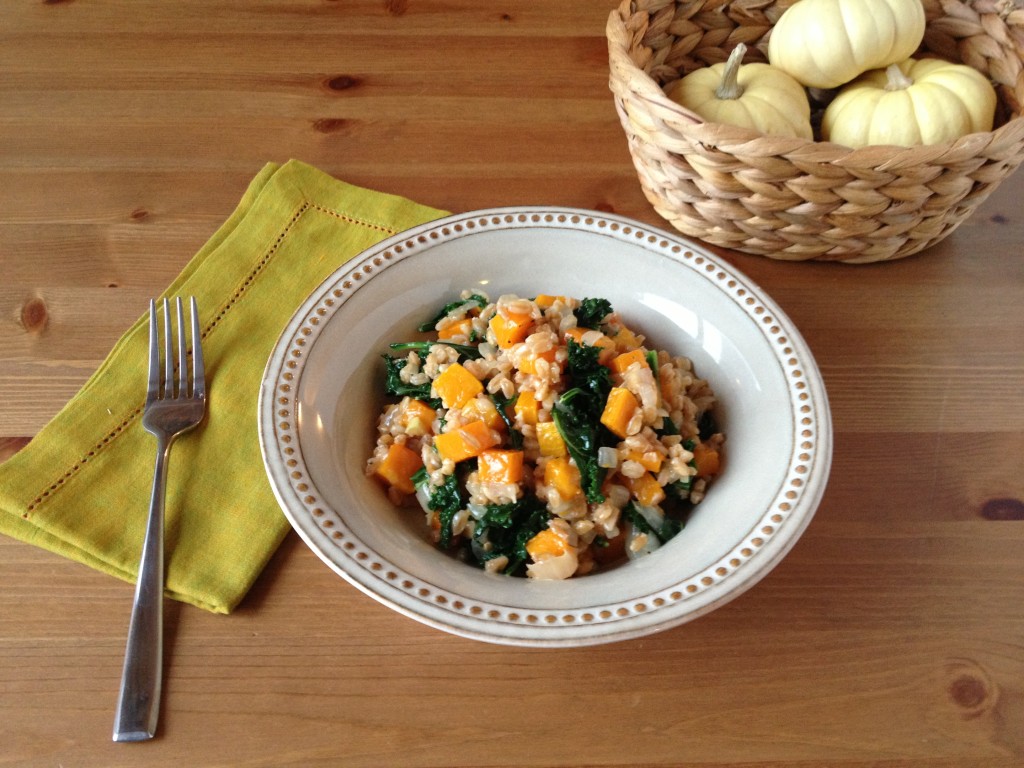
(171, 409)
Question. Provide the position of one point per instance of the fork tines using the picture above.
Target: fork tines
(165, 388)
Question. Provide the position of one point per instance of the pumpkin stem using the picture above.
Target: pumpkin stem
(729, 88)
(896, 80)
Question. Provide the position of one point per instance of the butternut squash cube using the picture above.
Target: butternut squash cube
(626, 340)
(576, 334)
(619, 410)
(651, 460)
(563, 476)
(706, 460)
(483, 408)
(511, 329)
(417, 417)
(620, 363)
(646, 490)
(528, 363)
(546, 543)
(456, 386)
(550, 439)
(526, 408)
(458, 328)
(500, 466)
(544, 300)
(399, 466)
(465, 442)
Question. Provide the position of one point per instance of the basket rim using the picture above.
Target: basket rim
(714, 134)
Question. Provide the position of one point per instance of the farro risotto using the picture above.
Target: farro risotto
(541, 437)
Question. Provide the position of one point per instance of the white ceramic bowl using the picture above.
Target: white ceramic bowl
(321, 396)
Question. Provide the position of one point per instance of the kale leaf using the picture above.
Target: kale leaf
(591, 312)
(504, 530)
(502, 404)
(668, 529)
(573, 415)
(475, 299)
(445, 499)
(680, 490)
(586, 373)
(393, 384)
(466, 351)
(668, 427)
(652, 362)
(577, 414)
(707, 425)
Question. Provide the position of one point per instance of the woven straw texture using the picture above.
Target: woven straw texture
(797, 199)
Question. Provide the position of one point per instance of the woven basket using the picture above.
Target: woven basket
(798, 199)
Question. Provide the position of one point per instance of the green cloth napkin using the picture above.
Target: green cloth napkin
(81, 488)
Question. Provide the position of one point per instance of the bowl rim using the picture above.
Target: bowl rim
(755, 555)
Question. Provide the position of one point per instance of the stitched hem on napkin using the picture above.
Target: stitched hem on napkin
(81, 487)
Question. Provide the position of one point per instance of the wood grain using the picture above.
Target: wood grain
(892, 636)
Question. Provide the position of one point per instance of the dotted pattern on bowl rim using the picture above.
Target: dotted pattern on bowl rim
(803, 454)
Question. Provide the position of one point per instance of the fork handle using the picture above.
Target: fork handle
(138, 703)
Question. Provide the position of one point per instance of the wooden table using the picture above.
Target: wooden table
(892, 635)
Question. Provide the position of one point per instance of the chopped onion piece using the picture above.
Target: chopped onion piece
(654, 516)
(559, 567)
(423, 496)
(607, 457)
(639, 544)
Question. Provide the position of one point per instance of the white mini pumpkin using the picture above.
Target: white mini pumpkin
(926, 101)
(826, 43)
(756, 96)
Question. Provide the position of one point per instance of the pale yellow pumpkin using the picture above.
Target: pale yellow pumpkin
(755, 96)
(926, 101)
(826, 43)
